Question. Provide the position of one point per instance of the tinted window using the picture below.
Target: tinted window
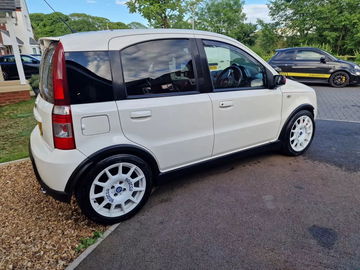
(231, 67)
(308, 55)
(46, 87)
(287, 55)
(89, 77)
(9, 59)
(27, 59)
(158, 67)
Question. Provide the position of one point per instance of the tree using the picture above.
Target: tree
(161, 13)
(332, 22)
(226, 17)
(51, 24)
(267, 37)
(136, 25)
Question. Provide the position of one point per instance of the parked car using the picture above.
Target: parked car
(119, 108)
(8, 66)
(306, 64)
(36, 55)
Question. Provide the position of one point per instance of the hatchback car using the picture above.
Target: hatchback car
(119, 108)
(8, 66)
(308, 65)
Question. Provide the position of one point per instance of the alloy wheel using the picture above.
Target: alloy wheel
(117, 189)
(301, 133)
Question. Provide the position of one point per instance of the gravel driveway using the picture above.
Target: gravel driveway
(36, 232)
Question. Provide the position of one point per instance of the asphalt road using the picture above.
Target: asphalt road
(258, 210)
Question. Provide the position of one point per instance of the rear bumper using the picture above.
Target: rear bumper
(53, 167)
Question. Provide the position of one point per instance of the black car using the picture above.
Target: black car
(307, 64)
(8, 66)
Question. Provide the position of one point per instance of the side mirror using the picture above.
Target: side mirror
(323, 60)
(279, 80)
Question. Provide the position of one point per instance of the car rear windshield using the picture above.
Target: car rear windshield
(46, 81)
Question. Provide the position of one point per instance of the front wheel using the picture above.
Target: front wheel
(339, 79)
(115, 189)
(299, 134)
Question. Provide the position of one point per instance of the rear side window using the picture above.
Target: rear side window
(287, 55)
(89, 77)
(46, 81)
(158, 67)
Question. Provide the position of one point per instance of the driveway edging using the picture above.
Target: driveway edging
(90, 249)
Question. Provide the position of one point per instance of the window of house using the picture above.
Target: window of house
(231, 67)
(158, 67)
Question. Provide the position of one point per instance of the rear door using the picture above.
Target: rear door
(163, 109)
(246, 113)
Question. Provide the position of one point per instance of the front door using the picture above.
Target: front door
(246, 113)
(164, 112)
(309, 67)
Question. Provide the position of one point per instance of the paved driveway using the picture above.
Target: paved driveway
(338, 104)
(255, 211)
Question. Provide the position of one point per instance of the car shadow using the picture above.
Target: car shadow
(216, 166)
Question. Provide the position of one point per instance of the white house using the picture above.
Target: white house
(23, 31)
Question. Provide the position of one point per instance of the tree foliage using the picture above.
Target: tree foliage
(226, 17)
(332, 22)
(51, 24)
(162, 13)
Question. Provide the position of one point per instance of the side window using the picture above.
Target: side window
(231, 67)
(308, 55)
(287, 55)
(158, 67)
(9, 59)
(26, 59)
(89, 77)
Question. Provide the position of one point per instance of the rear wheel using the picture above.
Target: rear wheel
(298, 134)
(339, 79)
(115, 189)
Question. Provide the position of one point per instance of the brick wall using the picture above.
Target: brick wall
(13, 97)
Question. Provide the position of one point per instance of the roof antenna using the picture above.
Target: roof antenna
(61, 19)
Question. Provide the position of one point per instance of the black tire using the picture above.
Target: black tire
(83, 188)
(286, 146)
(339, 79)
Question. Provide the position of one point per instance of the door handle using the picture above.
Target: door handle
(226, 104)
(140, 114)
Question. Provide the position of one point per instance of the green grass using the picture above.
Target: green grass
(86, 242)
(16, 124)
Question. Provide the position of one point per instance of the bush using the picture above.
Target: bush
(34, 83)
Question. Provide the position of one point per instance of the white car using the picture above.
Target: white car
(118, 108)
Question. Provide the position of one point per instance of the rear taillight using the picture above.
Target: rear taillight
(63, 131)
(60, 85)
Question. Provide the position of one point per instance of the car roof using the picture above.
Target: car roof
(297, 48)
(99, 40)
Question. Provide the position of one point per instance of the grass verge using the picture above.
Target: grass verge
(16, 124)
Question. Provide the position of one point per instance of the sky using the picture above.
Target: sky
(116, 10)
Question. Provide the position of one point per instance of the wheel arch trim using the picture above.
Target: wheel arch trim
(106, 152)
(306, 106)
